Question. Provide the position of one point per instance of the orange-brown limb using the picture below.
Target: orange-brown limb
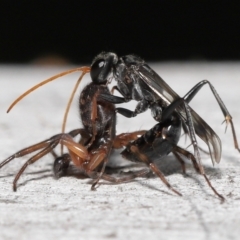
(154, 168)
(78, 152)
(123, 139)
(93, 119)
(177, 150)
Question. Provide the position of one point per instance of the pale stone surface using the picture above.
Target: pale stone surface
(45, 208)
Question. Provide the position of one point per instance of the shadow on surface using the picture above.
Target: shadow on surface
(168, 165)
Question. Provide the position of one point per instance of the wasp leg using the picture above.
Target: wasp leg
(141, 107)
(228, 118)
(112, 99)
(126, 112)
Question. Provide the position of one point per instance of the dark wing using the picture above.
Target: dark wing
(156, 83)
(165, 92)
(205, 132)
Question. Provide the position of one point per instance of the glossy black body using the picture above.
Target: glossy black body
(137, 81)
(105, 123)
(157, 142)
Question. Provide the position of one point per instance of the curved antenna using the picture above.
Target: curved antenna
(83, 69)
(70, 101)
(69, 104)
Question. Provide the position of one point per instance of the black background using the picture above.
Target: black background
(154, 30)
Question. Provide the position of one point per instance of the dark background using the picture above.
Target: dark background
(155, 30)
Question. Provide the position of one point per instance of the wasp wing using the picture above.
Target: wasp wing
(165, 92)
(156, 83)
(205, 132)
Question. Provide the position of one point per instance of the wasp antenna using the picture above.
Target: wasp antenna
(70, 101)
(69, 104)
(83, 69)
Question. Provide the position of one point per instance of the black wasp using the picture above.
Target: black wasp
(137, 81)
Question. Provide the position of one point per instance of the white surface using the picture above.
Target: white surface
(44, 208)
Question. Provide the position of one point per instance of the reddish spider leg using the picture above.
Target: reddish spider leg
(75, 149)
(177, 151)
(120, 141)
(153, 167)
(79, 155)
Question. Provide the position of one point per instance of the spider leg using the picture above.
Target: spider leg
(178, 157)
(143, 158)
(103, 155)
(177, 150)
(133, 175)
(26, 151)
(123, 139)
(77, 152)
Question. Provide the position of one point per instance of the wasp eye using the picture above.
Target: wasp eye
(101, 64)
(96, 70)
